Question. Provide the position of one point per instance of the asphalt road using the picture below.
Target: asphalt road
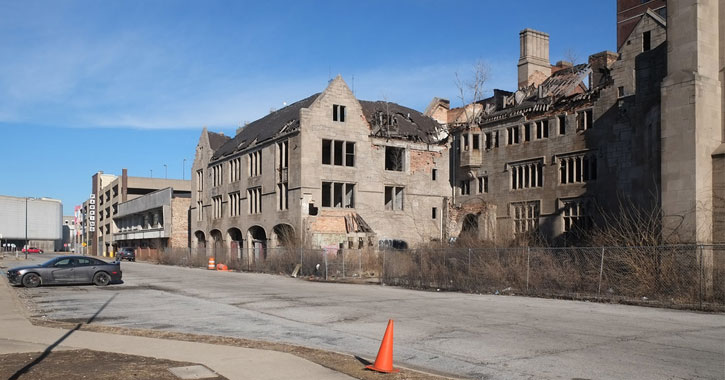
(475, 336)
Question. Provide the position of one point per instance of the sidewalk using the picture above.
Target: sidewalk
(18, 335)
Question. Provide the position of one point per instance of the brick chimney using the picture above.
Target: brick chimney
(534, 65)
(600, 63)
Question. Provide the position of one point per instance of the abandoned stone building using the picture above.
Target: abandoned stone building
(327, 171)
(642, 126)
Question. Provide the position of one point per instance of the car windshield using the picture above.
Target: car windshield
(50, 262)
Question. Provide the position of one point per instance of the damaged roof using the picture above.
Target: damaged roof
(216, 139)
(392, 120)
(286, 119)
(563, 86)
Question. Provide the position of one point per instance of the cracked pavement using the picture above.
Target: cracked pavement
(463, 335)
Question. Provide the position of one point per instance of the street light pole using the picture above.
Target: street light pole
(166, 172)
(152, 172)
(27, 245)
(183, 170)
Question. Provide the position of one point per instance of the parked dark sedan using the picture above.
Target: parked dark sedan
(67, 270)
(126, 253)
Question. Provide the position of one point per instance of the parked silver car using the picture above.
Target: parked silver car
(67, 270)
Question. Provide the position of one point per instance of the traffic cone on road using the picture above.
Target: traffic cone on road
(211, 265)
(384, 361)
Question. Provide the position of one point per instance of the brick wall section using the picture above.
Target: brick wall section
(423, 160)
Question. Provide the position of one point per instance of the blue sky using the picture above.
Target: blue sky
(105, 85)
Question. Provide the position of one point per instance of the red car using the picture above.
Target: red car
(33, 250)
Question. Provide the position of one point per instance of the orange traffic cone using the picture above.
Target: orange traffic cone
(384, 361)
(211, 265)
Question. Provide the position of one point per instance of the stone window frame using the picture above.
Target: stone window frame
(576, 214)
(394, 197)
(577, 167)
(254, 200)
(525, 216)
(526, 174)
(329, 192)
(216, 202)
(254, 163)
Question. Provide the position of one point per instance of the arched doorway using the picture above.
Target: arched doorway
(284, 235)
(234, 237)
(199, 239)
(257, 244)
(217, 245)
(470, 227)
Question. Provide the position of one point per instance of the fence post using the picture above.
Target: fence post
(325, 254)
(301, 264)
(702, 270)
(528, 266)
(601, 270)
(343, 263)
(359, 258)
(469, 261)
(382, 272)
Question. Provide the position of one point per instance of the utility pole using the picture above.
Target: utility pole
(166, 172)
(26, 228)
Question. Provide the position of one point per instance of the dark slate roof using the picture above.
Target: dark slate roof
(407, 123)
(283, 120)
(216, 140)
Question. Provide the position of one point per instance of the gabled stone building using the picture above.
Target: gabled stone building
(642, 126)
(327, 171)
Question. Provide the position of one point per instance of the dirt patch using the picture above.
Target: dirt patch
(343, 363)
(87, 364)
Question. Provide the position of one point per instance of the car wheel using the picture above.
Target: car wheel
(31, 280)
(101, 279)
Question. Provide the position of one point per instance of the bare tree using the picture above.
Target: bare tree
(472, 89)
(571, 55)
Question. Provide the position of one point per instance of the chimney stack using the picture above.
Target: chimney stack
(534, 65)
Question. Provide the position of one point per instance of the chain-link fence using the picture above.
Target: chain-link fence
(690, 276)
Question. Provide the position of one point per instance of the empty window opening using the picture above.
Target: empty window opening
(527, 132)
(525, 216)
(577, 169)
(433, 174)
(476, 141)
(282, 196)
(336, 194)
(483, 184)
(338, 113)
(465, 141)
(646, 41)
(465, 187)
(526, 175)
(394, 198)
(349, 154)
(394, 158)
(326, 152)
(562, 124)
(584, 120)
(434, 213)
(326, 187)
(338, 152)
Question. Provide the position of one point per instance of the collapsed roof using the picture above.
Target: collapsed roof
(385, 119)
(391, 120)
(281, 121)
